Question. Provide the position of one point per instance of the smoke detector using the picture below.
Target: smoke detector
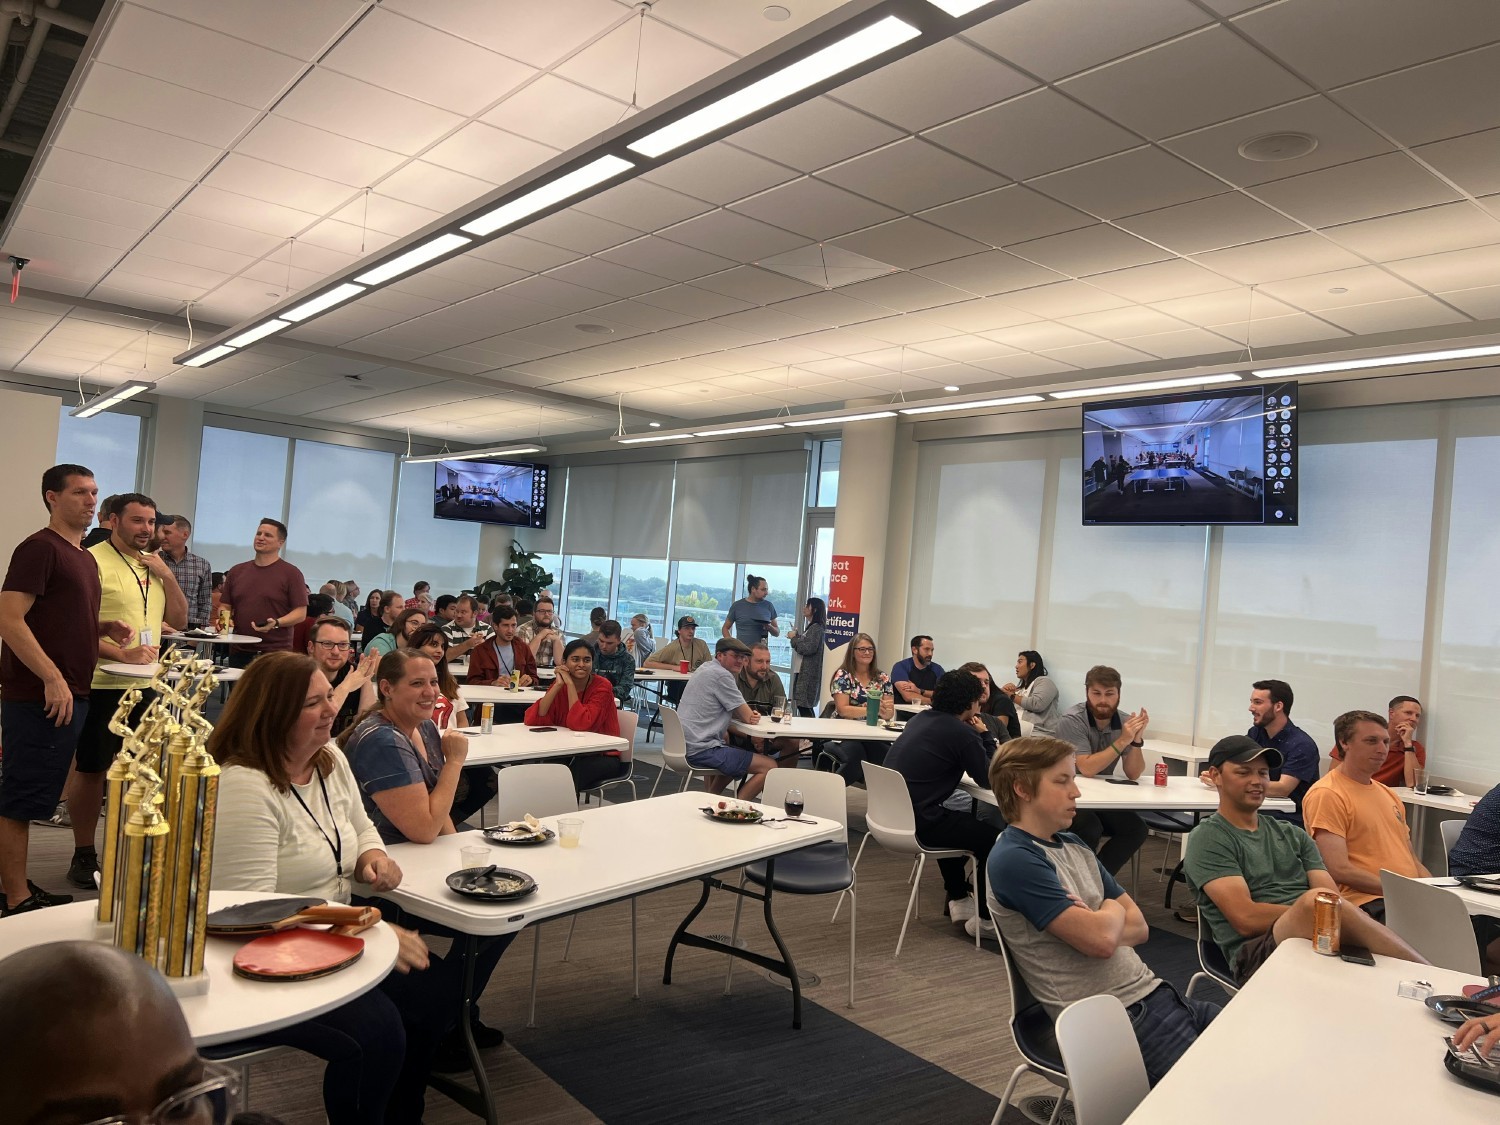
(1269, 148)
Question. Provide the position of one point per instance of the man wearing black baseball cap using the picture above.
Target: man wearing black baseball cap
(1256, 877)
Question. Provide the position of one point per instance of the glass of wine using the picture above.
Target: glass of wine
(793, 803)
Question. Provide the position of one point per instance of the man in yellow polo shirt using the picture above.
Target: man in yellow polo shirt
(137, 587)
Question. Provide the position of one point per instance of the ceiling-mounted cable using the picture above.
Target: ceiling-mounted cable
(1249, 316)
(619, 402)
(364, 223)
(640, 43)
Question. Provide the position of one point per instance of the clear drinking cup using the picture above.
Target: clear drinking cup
(1419, 780)
(569, 831)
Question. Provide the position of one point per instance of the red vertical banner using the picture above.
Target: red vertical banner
(845, 588)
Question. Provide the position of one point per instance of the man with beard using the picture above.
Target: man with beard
(1272, 726)
(1103, 739)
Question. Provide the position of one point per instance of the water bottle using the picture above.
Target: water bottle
(872, 707)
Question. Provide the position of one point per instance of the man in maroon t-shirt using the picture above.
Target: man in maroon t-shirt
(49, 641)
(266, 595)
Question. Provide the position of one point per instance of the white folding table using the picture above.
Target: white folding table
(818, 730)
(1477, 902)
(1179, 794)
(512, 743)
(496, 693)
(148, 671)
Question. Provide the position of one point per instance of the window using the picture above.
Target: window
(108, 443)
(588, 586)
(781, 592)
(553, 565)
(704, 591)
(643, 589)
(340, 520)
(443, 552)
(828, 474)
(241, 478)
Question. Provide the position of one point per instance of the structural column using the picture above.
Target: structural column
(862, 520)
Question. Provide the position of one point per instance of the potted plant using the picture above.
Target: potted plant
(523, 578)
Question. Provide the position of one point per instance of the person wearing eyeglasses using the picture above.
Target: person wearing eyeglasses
(328, 643)
(93, 1036)
(852, 685)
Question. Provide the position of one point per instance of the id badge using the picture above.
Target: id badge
(146, 637)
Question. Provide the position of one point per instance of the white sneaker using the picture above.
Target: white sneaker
(985, 927)
(960, 910)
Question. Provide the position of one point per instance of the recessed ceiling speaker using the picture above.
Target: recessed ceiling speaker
(776, 13)
(1271, 147)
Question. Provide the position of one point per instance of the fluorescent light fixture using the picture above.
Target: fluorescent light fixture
(843, 418)
(259, 332)
(1377, 361)
(564, 187)
(337, 295)
(739, 430)
(1012, 401)
(475, 454)
(820, 65)
(644, 438)
(413, 258)
(209, 356)
(113, 397)
(960, 7)
(1156, 385)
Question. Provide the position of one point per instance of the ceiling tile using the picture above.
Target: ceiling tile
(1066, 298)
(1095, 249)
(438, 189)
(992, 272)
(733, 236)
(1299, 328)
(900, 330)
(292, 27)
(832, 309)
(595, 273)
(582, 233)
(148, 42)
(975, 316)
(1452, 226)
(1394, 316)
(239, 210)
(155, 104)
(1294, 255)
(1190, 82)
(912, 175)
(1360, 286)
(734, 25)
(756, 285)
(815, 134)
(695, 302)
(1482, 302)
(1036, 133)
(1380, 185)
(1208, 224)
(1226, 307)
(244, 175)
(411, 58)
(1096, 355)
(1024, 366)
(719, 173)
(1472, 162)
(133, 146)
(1317, 37)
(1054, 38)
(909, 243)
(1456, 269)
(99, 206)
(962, 349)
(1161, 281)
(1113, 324)
(936, 84)
(159, 245)
(1006, 216)
(139, 185)
(644, 206)
(350, 108)
(1180, 345)
(1144, 179)
(538, 34)
(812, 208)
(666, 258)
(903, 292)
(556, 112)
(645, 58)
(1434, 101)
(317, 152)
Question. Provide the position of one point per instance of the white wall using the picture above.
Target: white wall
(30, 450)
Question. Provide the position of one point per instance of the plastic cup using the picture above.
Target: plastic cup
(569, 831)
(872, 710)
(1419, 780)
(683, 667)
(474, 855)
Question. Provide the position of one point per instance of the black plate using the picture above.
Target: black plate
(493, 884)
(500, 836)
(1458, 1009)
(713, 814)
(1441, 790)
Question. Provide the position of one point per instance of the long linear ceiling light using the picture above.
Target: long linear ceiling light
(1154, 385)
(1377, 361)
(1014, 400)
(475, 454)
(112, 397)
(851, 41)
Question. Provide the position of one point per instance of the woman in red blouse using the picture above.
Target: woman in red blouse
(580, 700)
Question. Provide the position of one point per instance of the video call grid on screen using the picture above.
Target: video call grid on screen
(499, 492)
(1226, 456)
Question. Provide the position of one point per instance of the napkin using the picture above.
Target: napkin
(526, 826)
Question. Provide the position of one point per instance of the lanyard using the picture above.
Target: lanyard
(143, 586)
(336, 843)
(506, 668)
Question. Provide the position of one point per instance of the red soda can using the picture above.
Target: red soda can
(1161, 773)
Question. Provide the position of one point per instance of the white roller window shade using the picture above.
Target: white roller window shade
(734, 509)
(619, 510)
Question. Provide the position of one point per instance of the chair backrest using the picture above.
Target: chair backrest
(1106, 1077)
(1432, 921)
(538, 788)
(1030, 1025)
(1451, 830)
(889, 814)
(823, 794)
(628, 720)
(673, 741)
(1211, 957)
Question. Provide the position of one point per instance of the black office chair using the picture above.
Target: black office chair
(1031, 1029)
(1211, 962)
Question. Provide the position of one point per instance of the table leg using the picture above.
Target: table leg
(479, 1102)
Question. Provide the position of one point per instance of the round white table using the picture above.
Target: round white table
(494, 693)
(234, 1007)
(216, 639)
(148, 672)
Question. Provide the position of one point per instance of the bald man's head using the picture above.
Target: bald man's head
(89, 1031)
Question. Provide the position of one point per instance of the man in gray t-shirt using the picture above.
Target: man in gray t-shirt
(709, 702)
(752, 618)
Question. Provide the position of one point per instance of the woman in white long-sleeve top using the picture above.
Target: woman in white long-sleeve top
(1034, 693)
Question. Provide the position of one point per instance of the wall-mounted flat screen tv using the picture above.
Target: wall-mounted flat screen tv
(1220, 456)
(501, 492)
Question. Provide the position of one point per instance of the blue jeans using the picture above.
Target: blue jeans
(1165, 1026)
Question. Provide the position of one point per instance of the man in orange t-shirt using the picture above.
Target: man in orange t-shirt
(1406, 754)
(1358, 824)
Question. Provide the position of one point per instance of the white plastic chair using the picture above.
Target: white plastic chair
(1433, 921)
(1451, 830)
(674, 752)
(818, 869)
(628, 720)
(1106, 1077)
(892, 821)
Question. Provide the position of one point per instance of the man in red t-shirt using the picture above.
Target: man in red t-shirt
(266, 595)
(49, 641)
(1406, 755)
